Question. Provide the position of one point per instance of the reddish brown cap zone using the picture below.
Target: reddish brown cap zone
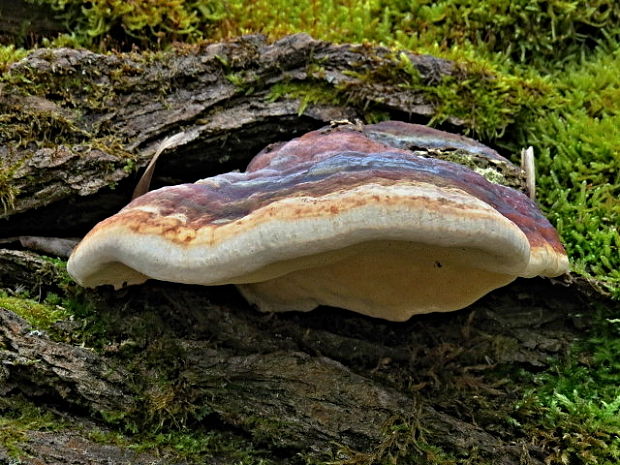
(339, 158)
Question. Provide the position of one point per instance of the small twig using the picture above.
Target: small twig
(60, 247)
(527, 164)
(145, 181)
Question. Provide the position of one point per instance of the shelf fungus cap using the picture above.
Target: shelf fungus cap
(332, 218)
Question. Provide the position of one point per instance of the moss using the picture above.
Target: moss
(40, 315)
(25, 128)
(573, 409)
(579, 165)
(536, 32)
(9, 54)
(481, 95)
(148, 24)
(193, 445)
(19, 416)
(308, 93)
(405, 441)
(8, 191)
(533, 32)
(29, 123)
(71, 88)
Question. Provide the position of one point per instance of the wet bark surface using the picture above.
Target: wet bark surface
(328, 385)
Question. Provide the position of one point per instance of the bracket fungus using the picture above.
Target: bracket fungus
(367, 218)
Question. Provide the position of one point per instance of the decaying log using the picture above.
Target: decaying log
(40, 367)
(74, 448)
(27, 270)
(311, 382)
(79, 123)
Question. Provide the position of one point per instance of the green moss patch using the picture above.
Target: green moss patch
(41, 316)
(573, 409)
(19, 416)
(10, 54)
(578, 147)
(536, 33)
(8, 191)
(149, 24)
(193, 445)
(307, 93)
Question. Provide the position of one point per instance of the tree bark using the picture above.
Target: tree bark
(24, 23)
(79, 123)
(326, 380)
